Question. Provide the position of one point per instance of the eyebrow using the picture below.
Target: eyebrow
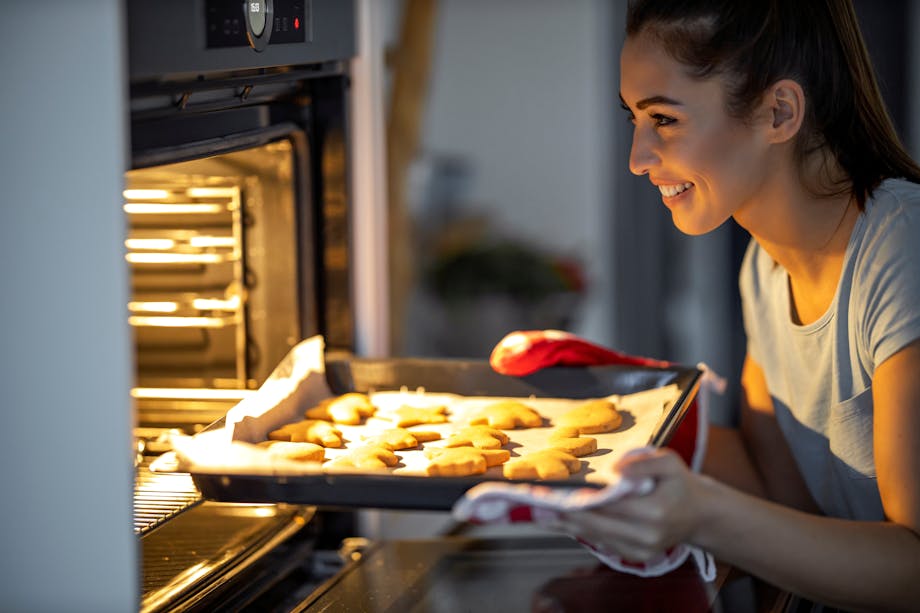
(645, 102)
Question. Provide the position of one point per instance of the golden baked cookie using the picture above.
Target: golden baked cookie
(299, 452)
(566, 438)
(371, 457)
(400, 438)
(482, 437)
(545, 464)
(463, 461)
(349, 409)
(309, 431)
(406, 415)
(578, 446)
(592, 416)
(564, 432)
(507, 415)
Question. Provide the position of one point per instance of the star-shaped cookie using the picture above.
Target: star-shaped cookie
(507, 415)
(349, 409)
(568, 440)
(406, 415)
(463, 461)
(482, 437)
(400, 438)
(545, 464)
(309, 431)
(370, 457)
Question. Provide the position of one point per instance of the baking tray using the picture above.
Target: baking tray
(463, 377)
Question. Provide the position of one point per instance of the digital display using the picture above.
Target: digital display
(225, 21)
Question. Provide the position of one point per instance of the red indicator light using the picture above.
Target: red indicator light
(297, 23)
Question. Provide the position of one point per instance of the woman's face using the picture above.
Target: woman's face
(707, 165)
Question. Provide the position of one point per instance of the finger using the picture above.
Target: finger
(629, 547)
(650, 509)
(597, 528)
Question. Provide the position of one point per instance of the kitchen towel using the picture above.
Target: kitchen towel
(495, 502)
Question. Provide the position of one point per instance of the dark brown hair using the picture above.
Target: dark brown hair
(817, 43)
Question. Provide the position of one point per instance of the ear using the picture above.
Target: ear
(785, 102)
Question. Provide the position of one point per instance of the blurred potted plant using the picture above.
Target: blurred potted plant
(489, 287)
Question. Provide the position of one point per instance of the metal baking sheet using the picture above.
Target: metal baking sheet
(462, 377)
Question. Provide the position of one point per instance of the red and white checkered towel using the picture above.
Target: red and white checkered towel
(522, 353)
(495, 502)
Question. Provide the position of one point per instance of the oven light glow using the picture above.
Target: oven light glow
(153, 307)
(212, 192)
(145, 194)
(150, 244)
(176, 393)
(212, 241)
(180, 322)
(213, 304)
(157, 208)
(175, 258)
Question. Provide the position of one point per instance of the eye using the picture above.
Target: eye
(663, 120)
(629, 114)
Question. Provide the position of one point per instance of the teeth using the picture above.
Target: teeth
(673, 190)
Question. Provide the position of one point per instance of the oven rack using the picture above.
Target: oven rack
(160, 496)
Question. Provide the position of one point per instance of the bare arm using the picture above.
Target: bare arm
(727, 460)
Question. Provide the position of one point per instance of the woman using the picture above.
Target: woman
(768, 112)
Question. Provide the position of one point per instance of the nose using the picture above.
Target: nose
(642, 153)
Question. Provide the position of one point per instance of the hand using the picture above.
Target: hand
(638, 528)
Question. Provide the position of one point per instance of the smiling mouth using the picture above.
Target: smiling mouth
(669, 191)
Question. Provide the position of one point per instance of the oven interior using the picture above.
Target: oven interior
(212, 248)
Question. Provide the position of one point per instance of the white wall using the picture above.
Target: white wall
(65, 441)
(520, 87)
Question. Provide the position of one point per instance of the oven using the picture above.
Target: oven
(237, 244)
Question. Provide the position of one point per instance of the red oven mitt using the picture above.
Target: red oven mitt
(525, 352)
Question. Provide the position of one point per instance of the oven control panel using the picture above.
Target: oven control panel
(257, 23)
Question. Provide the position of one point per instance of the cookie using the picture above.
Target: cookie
(544, 464)
(463, 461)
(564, 432)
(507, 415)
(349, 409)
(406, 416)
(577, 446)
(299, 452)
(370, 457)
(592, 416)
(309, 431)
(566, 438)
(481, 437)
(400, 438)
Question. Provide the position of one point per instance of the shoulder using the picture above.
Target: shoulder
(893, 203)
(891, 225)
(886, 286)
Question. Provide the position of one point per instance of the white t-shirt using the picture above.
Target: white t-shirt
(820, 375)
